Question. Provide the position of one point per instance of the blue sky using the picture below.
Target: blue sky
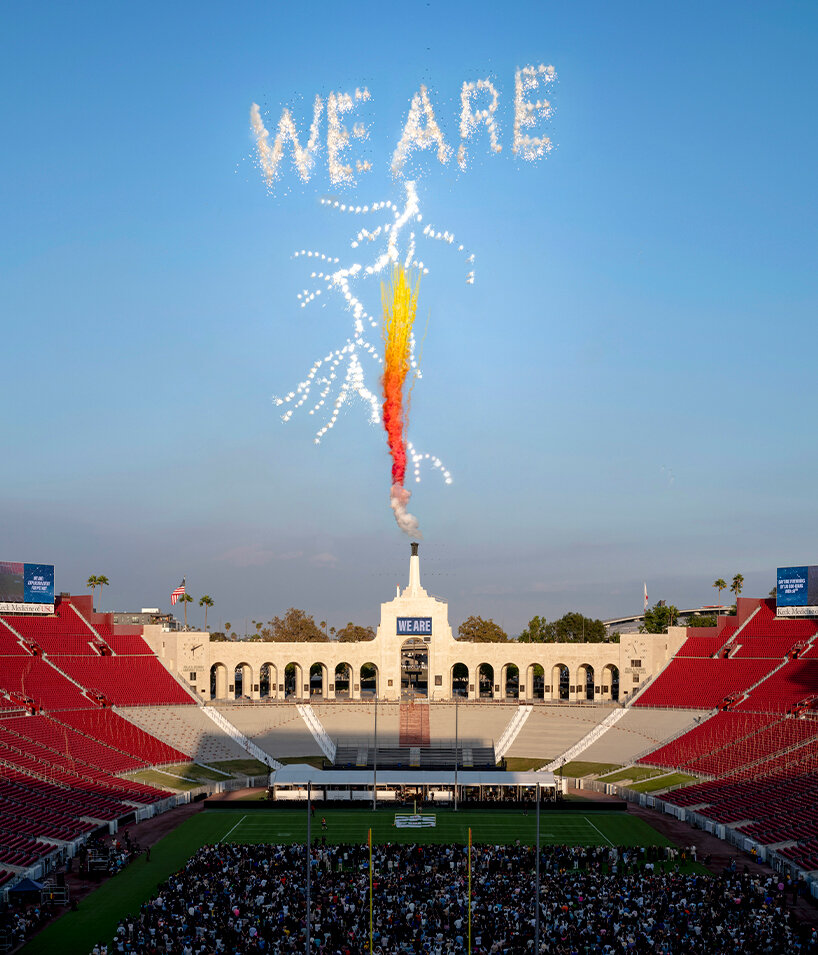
(624, 394)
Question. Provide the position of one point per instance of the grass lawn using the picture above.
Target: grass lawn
(241, 767)
(634, 773)
(168, 777)
(521, 764)
(579, 768)
(98, 914)
(663, 782)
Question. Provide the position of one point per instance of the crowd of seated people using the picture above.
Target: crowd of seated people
(250, 898)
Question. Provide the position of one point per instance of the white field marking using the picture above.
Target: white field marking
(598, 830)
(232, 830)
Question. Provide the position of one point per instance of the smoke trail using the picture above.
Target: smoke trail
(408, 523)
(399, 300)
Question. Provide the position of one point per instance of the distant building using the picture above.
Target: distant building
(147, 617)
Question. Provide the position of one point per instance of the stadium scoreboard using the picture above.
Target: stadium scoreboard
(26, 588)
(796, 592)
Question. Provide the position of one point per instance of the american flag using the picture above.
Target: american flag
(646, 596)
(179, 592)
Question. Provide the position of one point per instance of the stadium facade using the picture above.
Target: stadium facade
(414, 653)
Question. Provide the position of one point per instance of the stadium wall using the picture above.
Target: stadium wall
(192, 656)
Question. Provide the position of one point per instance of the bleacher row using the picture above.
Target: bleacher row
(761, 747)
(61, 746)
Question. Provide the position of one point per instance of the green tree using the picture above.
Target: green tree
(206, 602)
(97, 580)
(353, 633)
(659, 618)
(535, 632)
(737, 585)
(720, 585)
(227, 628)
(295, 626)
(573, 627)
(218, 637)
(697, 620)
(477, 630)
(186, 599)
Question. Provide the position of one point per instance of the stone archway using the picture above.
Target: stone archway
(268, 681)
(218, 682)
(292, 681)
(343, 681)
(318, 681)
(243, 681)
(585, 682)
(535, 682)
(414, 669)
(485, 681)
(510, 682)
(560, 682)
(610, 682)
(369, 680)
(459, 681)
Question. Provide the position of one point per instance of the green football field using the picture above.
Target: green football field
(97, 915)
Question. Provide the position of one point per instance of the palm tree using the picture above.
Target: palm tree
(736, 586)
(720, 585)
(186, 599)
(102, 581)
(206, 601)
(92, 581)
(227, 628)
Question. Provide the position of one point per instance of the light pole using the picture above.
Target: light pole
(375, 758)
(537, 892)
(456, 744)
(309, 854)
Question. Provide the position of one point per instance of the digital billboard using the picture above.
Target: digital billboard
(796, 592)
(26, 588)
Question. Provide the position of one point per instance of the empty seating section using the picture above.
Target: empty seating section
(184, 728)
(35, 679)
(63, 738)
(701, 646)
(354, 723)
(732, 741)
(57, 635)
(797, 680)
(638, 731)
(277, 728)
(116, 732)
(772, 648)
(763, 750)
(125, 680)
(123, 639)
(551, 730)
(765, 624)
(703, 684)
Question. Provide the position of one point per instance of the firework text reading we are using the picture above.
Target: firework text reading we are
(479, 100)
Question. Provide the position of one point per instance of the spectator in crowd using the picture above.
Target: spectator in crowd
(251, 899)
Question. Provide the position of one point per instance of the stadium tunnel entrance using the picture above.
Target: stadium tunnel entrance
(414, 669)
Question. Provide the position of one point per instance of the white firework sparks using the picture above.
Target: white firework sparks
(337, 377)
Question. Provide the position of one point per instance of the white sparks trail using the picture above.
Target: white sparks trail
(328, 380)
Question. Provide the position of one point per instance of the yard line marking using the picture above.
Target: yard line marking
(232, 830)
(598, 830)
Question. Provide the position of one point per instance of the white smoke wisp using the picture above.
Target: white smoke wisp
(398, 501)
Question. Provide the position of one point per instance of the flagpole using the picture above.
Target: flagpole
(370, 891)
(469, 890)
